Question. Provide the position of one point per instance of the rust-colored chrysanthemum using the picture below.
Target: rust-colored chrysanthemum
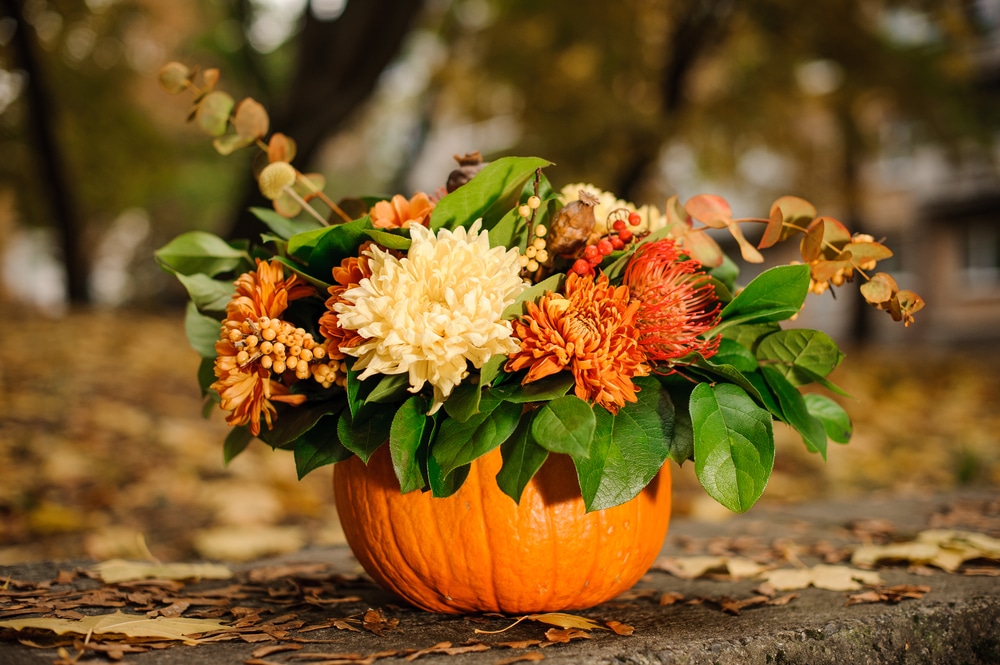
(677, 303)
(399, 212)
(243, 371)
(347, 275)
(589, 331)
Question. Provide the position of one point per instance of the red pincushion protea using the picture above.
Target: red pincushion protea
(678, 304)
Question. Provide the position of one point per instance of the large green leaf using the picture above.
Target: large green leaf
(774, 295)
(338, 243)
(750, 334)
(542, 390)
(628, 448)
(489, 195)
(793, 406)
(236, 442)
(835, 420)
(734, 354)
(318, 447)
(294, 421)
(459, 443)
(207, 294)
(522, 458)
(284, 227)
(733, 444)
(408, 431)
(202, 331)
(800, 354)
(200, 252)
(363, 438)
(565, 425)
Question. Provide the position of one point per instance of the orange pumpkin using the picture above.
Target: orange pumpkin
(479, 551)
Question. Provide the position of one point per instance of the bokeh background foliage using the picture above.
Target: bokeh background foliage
(882, 112)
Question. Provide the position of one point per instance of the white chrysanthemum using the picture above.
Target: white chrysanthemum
(435, 311)
(652, 218)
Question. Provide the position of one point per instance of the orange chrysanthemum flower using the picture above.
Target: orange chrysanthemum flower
(244, 381)
(347, 275)
(400, 213)
(589, 331)
(677, 303)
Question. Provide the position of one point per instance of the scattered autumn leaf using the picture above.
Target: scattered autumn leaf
(620, 628)
(560, 619)
(449, 650)
(563, 635)
(692, 567)
(530, 657)
(115, 571)
(893, 594)
(944, 548)
(120, 623)
(821, 576)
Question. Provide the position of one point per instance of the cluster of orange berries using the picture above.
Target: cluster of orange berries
(620, 236)
(281, 347)
(535, 254)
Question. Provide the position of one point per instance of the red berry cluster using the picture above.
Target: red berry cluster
(620, 236)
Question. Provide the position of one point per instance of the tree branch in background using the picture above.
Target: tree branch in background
(50, 157)
(337, 67)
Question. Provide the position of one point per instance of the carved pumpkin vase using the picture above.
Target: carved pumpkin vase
(479, 551)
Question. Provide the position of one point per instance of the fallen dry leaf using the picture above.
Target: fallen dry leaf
(560, 619)
(892, 594)
(620, 628)
(692, 567)
(944, 548)
(449, 650)
(130, 625)
(670, 597)
(821, 576)
(563, 635)
(114, 571)
(530, 657)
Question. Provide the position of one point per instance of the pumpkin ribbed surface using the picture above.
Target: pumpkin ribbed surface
(478, 550)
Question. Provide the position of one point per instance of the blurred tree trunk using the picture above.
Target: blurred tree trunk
(50, 159)
(338, 64)
(697, 28)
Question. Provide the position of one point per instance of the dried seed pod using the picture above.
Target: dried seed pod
(572, 225)
(468, 166)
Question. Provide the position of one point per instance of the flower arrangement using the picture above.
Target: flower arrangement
(504, 312)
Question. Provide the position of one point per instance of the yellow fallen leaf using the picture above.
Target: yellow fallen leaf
(560, 619)
(131, 625)
(114, 571)
(691, 567)
(944, 548)
(831, 578)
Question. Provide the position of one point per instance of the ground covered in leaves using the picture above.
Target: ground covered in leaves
(104, 451)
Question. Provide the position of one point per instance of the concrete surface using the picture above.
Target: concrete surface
(956, 622)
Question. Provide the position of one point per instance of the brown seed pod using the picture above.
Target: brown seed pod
(468, 166)
(572, 225)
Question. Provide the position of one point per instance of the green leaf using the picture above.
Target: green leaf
(522, 458)
(733, 444)
(284, 227)
(444, 484)
(734, 354)
(200, 252)
(682, 440)
(463, 403)
(796, 414)
(236, 442)
(517, 308)
(774, 295)
(339, 242)
(202, 331)
(835, 420)
(390, 388)
(390, 240)
(545, 389)
(628, 448)
(363, 438)
(294, 421)
(458, 443)
(207, 294)
(715, 371)
(303, 244)
(800, 354)
(318, 447)
(565, 425)
(750, 334)
(408, 431)
(489, 195)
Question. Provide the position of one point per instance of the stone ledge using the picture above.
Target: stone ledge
(955, 622)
